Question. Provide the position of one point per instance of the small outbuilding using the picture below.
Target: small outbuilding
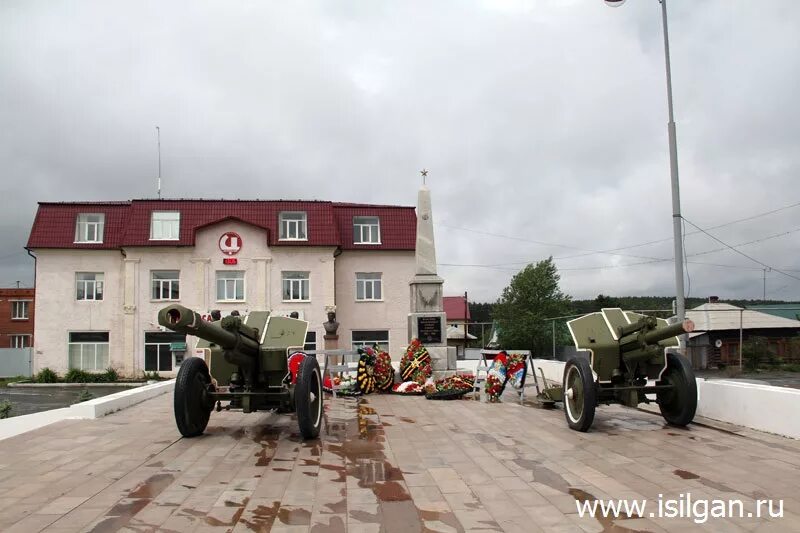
(720, 327)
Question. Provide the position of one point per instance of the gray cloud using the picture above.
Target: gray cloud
(540, 120)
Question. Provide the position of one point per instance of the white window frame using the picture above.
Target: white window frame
(97, 283)
(165, 225)
(297, 283)
(165, 286)
(366, 230)
(84, 227)
(366, 285)
(232, 280)
(87, 347)
(370, 342)
(292, 225)
(19, 309)
(20, 340)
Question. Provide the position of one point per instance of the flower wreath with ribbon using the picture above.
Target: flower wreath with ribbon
(416, 363)
(366, 370)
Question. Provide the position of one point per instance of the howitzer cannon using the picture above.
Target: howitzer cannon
(629, 356)
(248, 366)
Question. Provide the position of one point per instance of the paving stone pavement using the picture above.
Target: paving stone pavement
(386, 463)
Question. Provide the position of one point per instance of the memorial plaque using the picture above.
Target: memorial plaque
(429, 329)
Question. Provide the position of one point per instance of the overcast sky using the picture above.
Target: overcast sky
(543, 124)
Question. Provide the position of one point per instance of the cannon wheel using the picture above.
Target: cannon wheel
(580, 394)
(679, 403)
(192, 403)
(308, 398)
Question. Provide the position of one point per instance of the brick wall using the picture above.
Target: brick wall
(9, 326)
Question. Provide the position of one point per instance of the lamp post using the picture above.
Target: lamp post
(673, 170)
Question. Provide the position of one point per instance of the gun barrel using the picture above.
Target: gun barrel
(183, 320)
(652, 337)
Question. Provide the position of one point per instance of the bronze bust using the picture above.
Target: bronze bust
(331, 325)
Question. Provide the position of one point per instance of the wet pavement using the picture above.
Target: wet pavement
(385, 463)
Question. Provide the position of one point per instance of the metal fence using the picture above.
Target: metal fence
(16, 362)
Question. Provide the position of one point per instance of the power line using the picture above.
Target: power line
(740, 252)
(613, 251)
(724, 224)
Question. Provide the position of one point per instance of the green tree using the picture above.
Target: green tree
(531, 297)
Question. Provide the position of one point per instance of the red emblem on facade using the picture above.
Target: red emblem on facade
(230, 243)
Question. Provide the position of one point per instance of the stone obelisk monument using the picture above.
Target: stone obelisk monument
(427, 321)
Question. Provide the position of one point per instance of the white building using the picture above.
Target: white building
(103, 270)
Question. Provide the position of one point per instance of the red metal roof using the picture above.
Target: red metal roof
(454, 307)
(128, 223)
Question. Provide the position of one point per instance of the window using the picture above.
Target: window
(20, 341)
(165, 225)
(368, 286)
(366, 230)
(293, 226)
(311, 341)
(19, 309)
(166, 285)
(89, 285)
(230, 285)
(295, 286)
(89, 227)
(88, 350)
(368, 338)
(158, 351)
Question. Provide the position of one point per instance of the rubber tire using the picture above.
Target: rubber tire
(678, 405)
(192, 406)
(589, 403)
(309, 413)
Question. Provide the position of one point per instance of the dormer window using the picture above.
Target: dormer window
(89, 227)
(165, 225)
(293, 226)
(366, 230)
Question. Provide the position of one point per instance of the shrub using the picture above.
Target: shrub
(111, 375)
(152, 376)
(78, 376)
(5, 409)
(791, 367)
(46, 375)
(84, 395)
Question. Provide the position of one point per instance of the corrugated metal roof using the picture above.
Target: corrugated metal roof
(128, 223)
(721, 316)
(454, 307)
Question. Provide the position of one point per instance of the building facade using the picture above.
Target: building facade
(16, 318)
(103, 270)
(720, 327)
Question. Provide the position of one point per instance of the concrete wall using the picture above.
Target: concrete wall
(397, 269)
(761, 407)
(16, 362)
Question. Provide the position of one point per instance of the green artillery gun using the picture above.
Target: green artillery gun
(626, 350)
(247, 366)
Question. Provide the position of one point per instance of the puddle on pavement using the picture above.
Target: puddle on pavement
(262, 517)
(294, 517)
(121, 514)
(685, 474)
(212, 521)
